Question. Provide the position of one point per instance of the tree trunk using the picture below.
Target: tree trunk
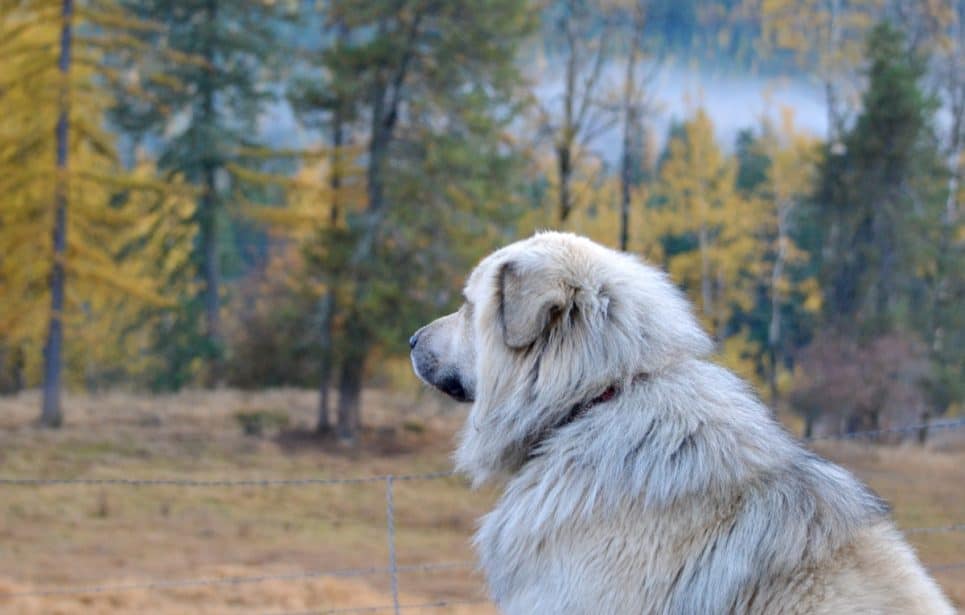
(212, 275)
(810, 417)
(720, 315)
(211, 270)
(774, 329)
(386, 100)
(327, 309)
(565, 171)
(629, 125)
(923, 432)
(349, 397)
(350, 391)
(626, 162)
(564, 146)
(51, 415)
(706, 298)
(328, 303)
(772, 375)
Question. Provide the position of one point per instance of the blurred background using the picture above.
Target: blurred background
(220, 221)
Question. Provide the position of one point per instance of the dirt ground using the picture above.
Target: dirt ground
(265, 549)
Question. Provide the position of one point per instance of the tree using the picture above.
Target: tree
(62, 177)
(204, 93)
(633, 102)
(946, 329)
(578, 35)
(708, 220)
(885, 265)
(856, 384)
(433, 87)
(786, 182)
(50, 415)
(883, 193)
(825, 36)
(324, 100)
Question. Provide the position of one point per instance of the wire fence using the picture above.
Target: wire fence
(393, 569)
(439, 604)
(874, 434)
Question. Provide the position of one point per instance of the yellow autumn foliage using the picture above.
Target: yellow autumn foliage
(128, 233)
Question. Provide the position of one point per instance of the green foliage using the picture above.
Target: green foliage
(199, 100)
(882, 195)
(885, 261)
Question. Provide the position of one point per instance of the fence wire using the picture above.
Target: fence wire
(172, 584)
(310, 481)
(958, 527)
(438, 604)
(215, 483)
(874, 433)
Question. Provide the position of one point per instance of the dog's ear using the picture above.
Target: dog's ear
(528, 304)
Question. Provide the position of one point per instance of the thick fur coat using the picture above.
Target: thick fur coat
(639, 476)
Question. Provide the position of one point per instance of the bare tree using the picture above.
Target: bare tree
(634, 100)
(857, 385)
(579, 37)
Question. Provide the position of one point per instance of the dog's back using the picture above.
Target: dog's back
(682, 495)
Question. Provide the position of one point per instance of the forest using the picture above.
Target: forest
(213, 193)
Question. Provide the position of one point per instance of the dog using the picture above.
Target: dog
(639, 477)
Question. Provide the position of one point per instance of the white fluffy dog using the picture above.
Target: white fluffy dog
(640, 477)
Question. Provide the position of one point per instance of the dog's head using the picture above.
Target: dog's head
(548, 322)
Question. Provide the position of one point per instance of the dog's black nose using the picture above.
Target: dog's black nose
(414, 340)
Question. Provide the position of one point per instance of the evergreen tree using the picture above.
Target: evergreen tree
(200, 111)
(444, 76)
(882, 195)
(882, 201)
(323, 99)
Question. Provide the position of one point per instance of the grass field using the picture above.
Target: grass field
(72, 535)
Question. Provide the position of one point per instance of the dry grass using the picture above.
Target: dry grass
(78, 536)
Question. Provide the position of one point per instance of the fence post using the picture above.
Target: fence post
(923, 432)
(390, 526)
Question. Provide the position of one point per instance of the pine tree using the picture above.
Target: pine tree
(884, 201)
(883, 194)
(62, 179)
(204, 96)
(443, 74)
(323, 100)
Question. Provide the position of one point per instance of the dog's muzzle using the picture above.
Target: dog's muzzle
(435, 373)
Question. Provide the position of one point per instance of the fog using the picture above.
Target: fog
(676, 90)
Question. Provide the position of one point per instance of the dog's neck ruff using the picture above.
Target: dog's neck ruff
(578, 411)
